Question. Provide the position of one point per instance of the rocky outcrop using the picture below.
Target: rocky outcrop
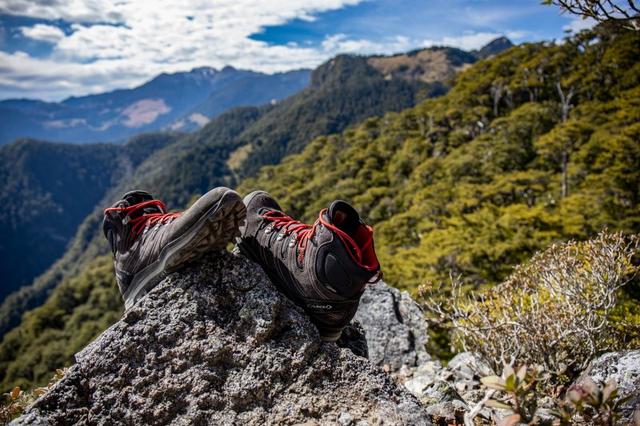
(395, 328)
(624, 368)
(396, 336)
(218, 344)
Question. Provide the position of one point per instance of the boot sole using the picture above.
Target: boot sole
(213, 231)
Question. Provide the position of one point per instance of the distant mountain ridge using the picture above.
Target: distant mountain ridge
(179, 101)
(434, 64)
(186, 101)
(493, 48)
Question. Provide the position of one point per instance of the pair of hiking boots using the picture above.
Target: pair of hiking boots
(323, 267)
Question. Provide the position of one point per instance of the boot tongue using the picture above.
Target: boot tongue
(114, 225)
(344, 216)
(136, 197)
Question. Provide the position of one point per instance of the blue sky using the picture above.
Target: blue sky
(54, 49)
(425, 20)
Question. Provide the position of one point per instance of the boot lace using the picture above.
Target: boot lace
(145, 220)
(304, 232)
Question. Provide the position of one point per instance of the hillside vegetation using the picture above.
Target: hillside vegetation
(48, 189)
(474, 182)
(78, 310)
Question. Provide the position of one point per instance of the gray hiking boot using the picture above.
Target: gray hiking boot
(323, 267)
(148, 243)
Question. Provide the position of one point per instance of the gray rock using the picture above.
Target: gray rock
(448, 412)
(396, 334)
(449, 391)
(465, 370)
(395, 327)
(624, 368)
(439, 391)
(353, 338)
(469, 366)
(423, 378)
(217, 344)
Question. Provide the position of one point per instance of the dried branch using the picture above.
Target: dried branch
(624, 12)
(553, 311)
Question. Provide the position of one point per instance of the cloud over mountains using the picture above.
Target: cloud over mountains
(117, 44)
(60, 48)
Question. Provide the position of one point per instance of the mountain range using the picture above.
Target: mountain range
(182, 101)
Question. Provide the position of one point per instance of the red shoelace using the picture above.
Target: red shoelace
(305, 232)
(145, 219)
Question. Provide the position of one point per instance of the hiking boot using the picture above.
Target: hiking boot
(323, 267)
(148, 243)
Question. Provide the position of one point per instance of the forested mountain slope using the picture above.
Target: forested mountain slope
(343, 91)
(539, 144)
(48, 189)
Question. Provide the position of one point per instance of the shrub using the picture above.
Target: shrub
(554, 311)
(517, 392)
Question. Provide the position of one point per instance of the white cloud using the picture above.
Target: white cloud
(122, 43)
(42, 32)
(492, 16)
(116, 44)
(22, 75)
(69, 10)
(465, 41)
(578, 24)
(341, 43)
